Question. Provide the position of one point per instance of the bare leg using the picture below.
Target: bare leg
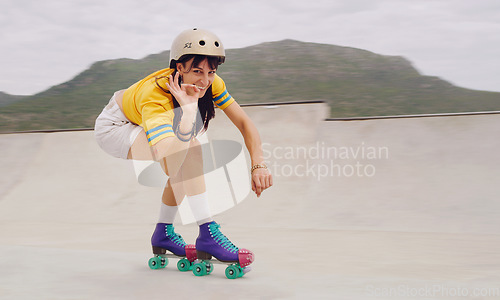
(189, 180)
(169, 198)
(140, 149)
(193, 179)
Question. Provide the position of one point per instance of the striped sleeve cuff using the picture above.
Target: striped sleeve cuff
(158, 133)
(223, 100)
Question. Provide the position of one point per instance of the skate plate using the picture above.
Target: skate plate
(185, 263)
(234, 270)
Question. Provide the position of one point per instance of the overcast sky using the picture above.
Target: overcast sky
(48, 42)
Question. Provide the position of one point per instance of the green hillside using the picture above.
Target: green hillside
(6, 99)
(353, 82)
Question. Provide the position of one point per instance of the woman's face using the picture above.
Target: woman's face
(202, 75)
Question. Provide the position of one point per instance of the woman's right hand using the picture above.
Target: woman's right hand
(186, 94)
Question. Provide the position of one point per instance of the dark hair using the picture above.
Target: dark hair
(205, 103)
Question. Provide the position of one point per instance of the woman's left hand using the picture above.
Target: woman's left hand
(261, 180)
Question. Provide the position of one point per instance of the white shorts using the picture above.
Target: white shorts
(114, 133)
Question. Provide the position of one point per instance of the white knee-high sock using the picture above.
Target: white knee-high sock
(199, 207)
(167, 213)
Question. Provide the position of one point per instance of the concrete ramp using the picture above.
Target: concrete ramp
(372, 209)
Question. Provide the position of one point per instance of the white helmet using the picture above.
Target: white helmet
(196, 41)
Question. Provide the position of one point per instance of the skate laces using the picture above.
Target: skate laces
(222, 239)
(174, 237)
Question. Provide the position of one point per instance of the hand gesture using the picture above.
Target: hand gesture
(186, 94)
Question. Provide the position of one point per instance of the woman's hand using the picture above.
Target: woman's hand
(261, 180)
(186, 94)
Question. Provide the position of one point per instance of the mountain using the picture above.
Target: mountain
(6, 99)
(353, 82)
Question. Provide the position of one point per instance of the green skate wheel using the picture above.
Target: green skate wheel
(240, 269)
(163, 262)
(184, 265)
(200, 269)
(233, 272)
(210, 267)
(154, 263)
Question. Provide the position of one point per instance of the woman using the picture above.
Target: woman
(158, 119)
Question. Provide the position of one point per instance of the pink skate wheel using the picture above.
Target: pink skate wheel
(245, 257)
(191, 252)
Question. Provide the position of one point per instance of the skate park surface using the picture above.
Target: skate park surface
(403, 208)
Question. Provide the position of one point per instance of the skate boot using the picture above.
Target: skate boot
(165, 239)
(211, 242)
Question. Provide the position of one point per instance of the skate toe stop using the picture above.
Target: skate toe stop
(191, 252)
(245, 257)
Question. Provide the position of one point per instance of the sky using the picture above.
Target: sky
(45, 43)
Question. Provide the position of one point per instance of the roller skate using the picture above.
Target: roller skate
(211, 242)
(165, 239)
